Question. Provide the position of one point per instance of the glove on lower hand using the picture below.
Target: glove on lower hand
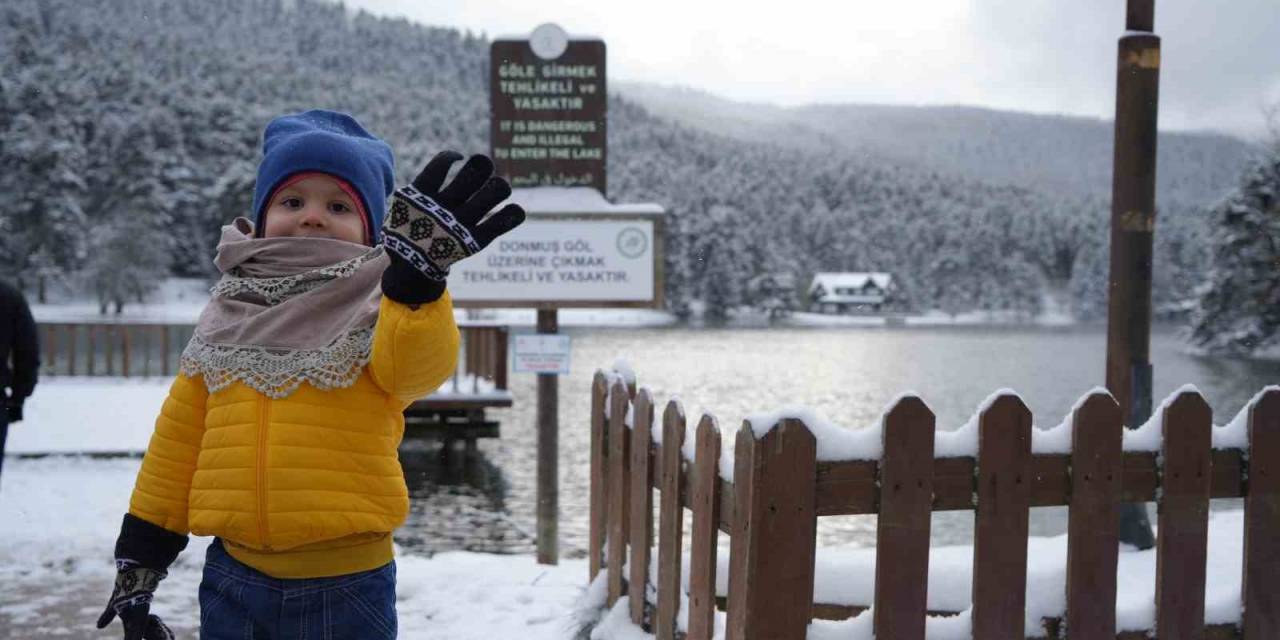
(430, 226)
(144, 552)
(13, 409)
(131, 600)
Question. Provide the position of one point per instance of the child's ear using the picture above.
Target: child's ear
(243, 225)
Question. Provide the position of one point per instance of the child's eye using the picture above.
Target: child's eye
(339, 207)
(292, 202)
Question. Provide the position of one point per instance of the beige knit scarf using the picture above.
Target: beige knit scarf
(286, 311)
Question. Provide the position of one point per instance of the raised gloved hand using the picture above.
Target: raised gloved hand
(430, 226)
(144, 552)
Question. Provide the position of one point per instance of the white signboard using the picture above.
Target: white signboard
(541, 353)
(579, 260)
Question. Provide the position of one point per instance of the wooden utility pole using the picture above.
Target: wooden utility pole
(1133, 221)
(548, 452)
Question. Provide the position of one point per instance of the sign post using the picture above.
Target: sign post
(548, 117)
(1133, 221)
(548, 452)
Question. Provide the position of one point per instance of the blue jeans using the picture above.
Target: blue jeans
(238, 602)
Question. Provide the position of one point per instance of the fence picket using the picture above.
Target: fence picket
(772, 548)
(108, 338)
(1001, 520)
(902, 530)
(704, 499)
(164, 351)
(1182, 532)
(641, 535)
(1261, 587)
(71, 349)
(1093, 526)
(618, 445)
(599, 481)
(124, 350)
(670, 521)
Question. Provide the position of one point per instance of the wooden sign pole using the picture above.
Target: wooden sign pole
(1133, 221)
(548, 452)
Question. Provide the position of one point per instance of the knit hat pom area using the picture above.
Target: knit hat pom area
(326, 142)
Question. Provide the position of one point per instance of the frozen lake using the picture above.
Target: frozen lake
(846, 375)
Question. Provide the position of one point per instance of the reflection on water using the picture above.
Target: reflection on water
(456, 501)
(846, 375)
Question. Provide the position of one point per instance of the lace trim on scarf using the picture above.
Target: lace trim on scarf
(279, 372)
(276, 290)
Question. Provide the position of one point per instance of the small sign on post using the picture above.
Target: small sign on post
(541, 353)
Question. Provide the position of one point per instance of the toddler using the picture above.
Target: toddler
(279, 435)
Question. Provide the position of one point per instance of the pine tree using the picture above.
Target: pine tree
(1239, 309)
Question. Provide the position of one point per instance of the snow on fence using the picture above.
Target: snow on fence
(784, 472)
(127, 350)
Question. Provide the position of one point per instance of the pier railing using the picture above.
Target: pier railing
(774, 485)
(133, 350)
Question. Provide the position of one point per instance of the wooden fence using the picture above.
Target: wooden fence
(779, 489)
(130, 350)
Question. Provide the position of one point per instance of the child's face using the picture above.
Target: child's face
(314, 207)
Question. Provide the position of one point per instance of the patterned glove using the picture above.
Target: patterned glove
(428, 228)
(144, 552)
(131, 600)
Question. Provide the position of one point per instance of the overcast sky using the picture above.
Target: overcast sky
(1220, 58)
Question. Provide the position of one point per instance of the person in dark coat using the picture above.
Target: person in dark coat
(18, 344)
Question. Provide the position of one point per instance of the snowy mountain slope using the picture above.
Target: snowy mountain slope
(1070, 154)
(140, 120)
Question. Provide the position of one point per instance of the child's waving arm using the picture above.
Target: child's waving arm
(415, 347)
(428, 228)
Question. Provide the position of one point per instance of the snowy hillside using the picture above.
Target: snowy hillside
(140, 120)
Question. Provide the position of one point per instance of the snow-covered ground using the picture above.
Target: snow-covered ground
(58, 522)
(59, 516)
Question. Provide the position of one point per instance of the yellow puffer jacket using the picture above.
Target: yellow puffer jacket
(306, 486)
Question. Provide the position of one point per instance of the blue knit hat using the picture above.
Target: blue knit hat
(332, 143)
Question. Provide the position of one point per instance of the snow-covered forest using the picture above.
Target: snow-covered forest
(129, 133)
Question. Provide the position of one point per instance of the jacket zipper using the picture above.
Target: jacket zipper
(264, 420)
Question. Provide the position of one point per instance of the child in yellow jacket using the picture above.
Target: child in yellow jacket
(279, 436)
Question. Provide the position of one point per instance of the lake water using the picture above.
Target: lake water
(846, 375)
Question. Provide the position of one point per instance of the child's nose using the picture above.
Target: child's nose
(314, 217)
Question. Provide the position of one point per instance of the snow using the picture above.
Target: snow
(807, 319)
(1235, 434)
(175, 301)
(470, 386)
(585, 200)
(1150, 436)
(81, 414)
(851, 280)
(846, 576)
(963, 442)
(1058, 439)
(833, 442)
(59, 518)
